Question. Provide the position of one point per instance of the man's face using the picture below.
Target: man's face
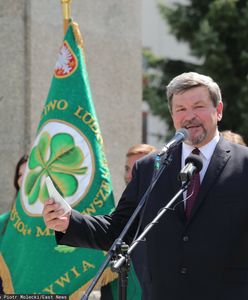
(195, 111)
(129, 166)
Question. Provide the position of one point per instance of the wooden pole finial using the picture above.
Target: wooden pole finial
(66, 10)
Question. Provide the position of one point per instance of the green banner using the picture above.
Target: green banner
(69, 148)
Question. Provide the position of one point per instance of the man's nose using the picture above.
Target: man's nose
(189, 114)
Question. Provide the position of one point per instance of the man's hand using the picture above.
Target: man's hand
(52, 215)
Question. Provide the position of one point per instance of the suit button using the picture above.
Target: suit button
(183, 270)
(186, 238)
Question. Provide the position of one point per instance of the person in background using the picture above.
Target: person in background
(19, 172)
(134, 153)
(18, 176)
(233, 137)
(199, 249)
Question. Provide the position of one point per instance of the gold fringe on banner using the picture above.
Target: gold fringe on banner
(6, 278)
(106, 278)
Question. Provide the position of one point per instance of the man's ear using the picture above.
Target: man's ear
(219, 110)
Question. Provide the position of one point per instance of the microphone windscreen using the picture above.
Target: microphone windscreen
(195, 160)
(184, 132)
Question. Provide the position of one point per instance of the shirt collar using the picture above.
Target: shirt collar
(206, 150)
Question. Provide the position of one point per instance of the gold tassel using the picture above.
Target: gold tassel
(77, 34)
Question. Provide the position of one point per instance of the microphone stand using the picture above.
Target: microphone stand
(185, 175)
(119, 250)
(140, 238)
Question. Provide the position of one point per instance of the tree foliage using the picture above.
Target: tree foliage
(217, 33)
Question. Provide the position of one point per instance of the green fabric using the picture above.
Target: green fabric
(3, 223)
(69, 148)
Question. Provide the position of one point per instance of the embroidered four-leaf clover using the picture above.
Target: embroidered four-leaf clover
(59, 158)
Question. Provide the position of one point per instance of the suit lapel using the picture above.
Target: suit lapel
(217, 163)
(176, 184)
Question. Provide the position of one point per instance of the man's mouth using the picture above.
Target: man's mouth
(192, 126)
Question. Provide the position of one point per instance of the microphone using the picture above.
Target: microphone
(193, 164)
(180, 135)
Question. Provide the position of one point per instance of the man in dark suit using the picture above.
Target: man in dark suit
(199, 256)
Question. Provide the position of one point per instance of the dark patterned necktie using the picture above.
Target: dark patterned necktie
(193, 189)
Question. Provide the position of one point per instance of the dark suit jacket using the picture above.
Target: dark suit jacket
(204, 258)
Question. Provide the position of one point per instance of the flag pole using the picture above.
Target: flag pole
(66, 10)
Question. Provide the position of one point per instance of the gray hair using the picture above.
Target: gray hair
(186, 81)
